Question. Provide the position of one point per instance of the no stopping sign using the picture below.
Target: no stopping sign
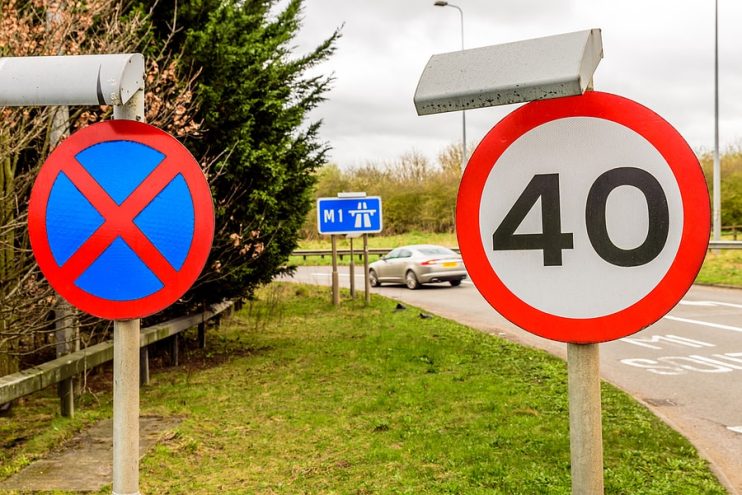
(121, 219)
(583, 219)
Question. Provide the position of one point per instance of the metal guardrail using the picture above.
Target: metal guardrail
(304, 253)
(39, 377)
(725, 245)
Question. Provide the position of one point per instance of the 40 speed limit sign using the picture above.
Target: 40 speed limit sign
(583, 219)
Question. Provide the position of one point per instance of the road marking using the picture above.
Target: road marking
(680, 365)
(704, 323)
(649, 342)
(709, 304)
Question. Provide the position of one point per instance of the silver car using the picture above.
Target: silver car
(417, 265)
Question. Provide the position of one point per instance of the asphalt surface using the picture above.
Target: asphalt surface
(686, 368)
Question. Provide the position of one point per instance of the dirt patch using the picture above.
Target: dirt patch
(85, 462)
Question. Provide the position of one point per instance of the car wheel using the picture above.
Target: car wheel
(373, 279)
(410, 280)
(454, 283)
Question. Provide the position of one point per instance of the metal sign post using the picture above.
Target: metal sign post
(94, 80)
(592, 270)
(585, 418)
(353, 214)
(538, 235)
(126, 369)
(106, 184)
(352, 270)
(335, 279)
(366, 281)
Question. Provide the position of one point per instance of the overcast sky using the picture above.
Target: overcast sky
(659, 53)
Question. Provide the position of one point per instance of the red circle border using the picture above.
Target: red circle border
(694, 238)
(203, 233)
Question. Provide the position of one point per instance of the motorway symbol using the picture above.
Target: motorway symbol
(360, 215)
(583, 219)
(121, 219)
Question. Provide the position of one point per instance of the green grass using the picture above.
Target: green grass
(723, 267)
(444, 239)
(294, 396)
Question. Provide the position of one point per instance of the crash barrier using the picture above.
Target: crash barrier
(39, 377)
(305, 253)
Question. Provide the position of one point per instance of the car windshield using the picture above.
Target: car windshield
(437, 251)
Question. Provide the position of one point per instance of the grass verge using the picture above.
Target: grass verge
(722, 267)
(295, 396)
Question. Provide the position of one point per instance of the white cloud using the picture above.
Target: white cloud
(659, 53)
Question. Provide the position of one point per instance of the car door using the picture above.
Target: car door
(385, 269)
(398, 265)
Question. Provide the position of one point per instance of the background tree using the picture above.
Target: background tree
(731, 183)
(254, 96)
(92, 26)
(417, 196)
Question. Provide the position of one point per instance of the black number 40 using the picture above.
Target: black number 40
(552, 240)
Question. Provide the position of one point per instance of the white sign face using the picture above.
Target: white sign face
(583, 219)
(583, 284)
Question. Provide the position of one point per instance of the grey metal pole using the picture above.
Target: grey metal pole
(126, 407)
(352, 271)
(463, 112)
(366, 281)
(116, 80)
(70, 79)
(717, 164)
(126, 370)
(585, 421)
(132, 109)
(64, 314)
(335, 286)
(441, 3)
(65, 334)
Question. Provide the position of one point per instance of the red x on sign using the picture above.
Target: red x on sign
(121, 219)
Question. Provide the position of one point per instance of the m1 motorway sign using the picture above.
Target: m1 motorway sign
(121, 219)
(360, 215)
(583, 219)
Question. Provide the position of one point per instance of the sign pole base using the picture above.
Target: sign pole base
(126, 407)
(335, 279)
(585, 423)
(352, 268)
(366, 281)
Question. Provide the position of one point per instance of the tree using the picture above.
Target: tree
(46, 27)
(254, 97)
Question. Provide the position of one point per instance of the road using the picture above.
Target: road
(686, 368)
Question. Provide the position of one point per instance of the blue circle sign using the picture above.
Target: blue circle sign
(121, 219)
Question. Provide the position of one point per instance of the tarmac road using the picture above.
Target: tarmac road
(686, 368)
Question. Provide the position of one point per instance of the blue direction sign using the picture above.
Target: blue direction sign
(360, 215)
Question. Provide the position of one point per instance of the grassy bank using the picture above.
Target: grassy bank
(294, 396)
(723, 267)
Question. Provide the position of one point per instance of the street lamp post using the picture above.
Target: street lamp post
(440, 3)
(716, 210)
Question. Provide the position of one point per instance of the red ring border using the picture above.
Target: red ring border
(122, 130)
(694, 238)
